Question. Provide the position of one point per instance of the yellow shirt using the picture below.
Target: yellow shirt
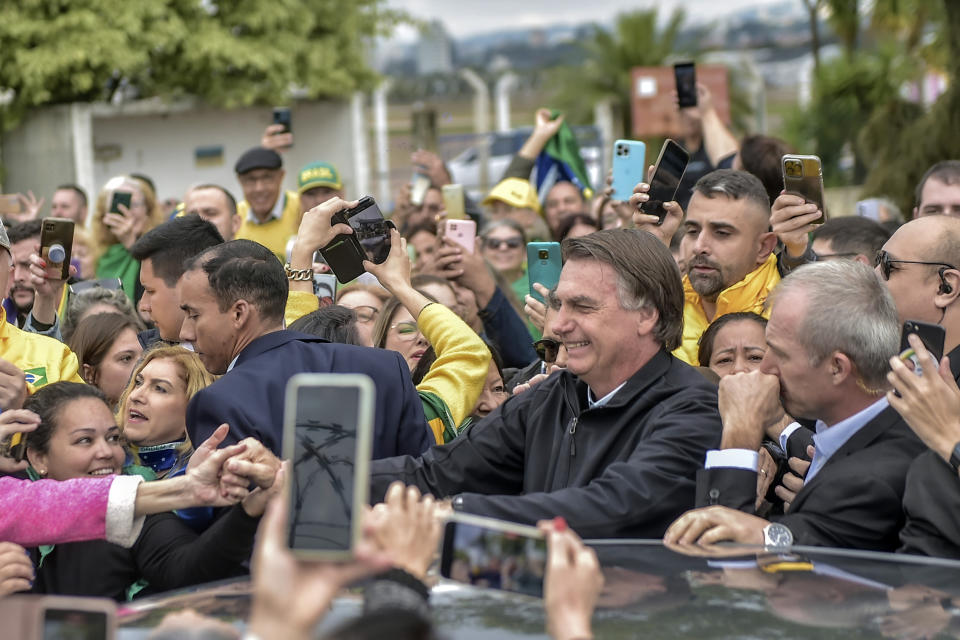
(749, 294)
(43, 360)
(274, 233)
(299, 304)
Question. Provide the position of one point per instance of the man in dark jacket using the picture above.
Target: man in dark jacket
(233, 296)
(612, 443)
(831, 333)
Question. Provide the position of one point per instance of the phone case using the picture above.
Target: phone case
(364, 448)
(667, 175)
(629, 167)
(463, 232)
(803, 176)
(118, 198)
(56, 243)
(544, 263)
(453, 201)
(933, 337)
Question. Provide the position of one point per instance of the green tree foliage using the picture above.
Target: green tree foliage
(227, 52)
(636, 41)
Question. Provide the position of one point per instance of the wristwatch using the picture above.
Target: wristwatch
(777, 535)
(955, 458)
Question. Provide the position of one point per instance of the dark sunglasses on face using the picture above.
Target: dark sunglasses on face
(508, 243)
(547, 349)
(886, 263)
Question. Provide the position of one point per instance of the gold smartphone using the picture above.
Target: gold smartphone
(56, 244)
(328, 437)
(803, 176)
(453, 201)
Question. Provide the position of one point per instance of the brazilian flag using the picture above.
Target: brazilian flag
(561, 160)
(36, 377)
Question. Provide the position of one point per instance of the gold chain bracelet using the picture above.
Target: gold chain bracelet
(303, 275)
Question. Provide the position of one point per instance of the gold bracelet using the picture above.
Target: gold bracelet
(303, 275)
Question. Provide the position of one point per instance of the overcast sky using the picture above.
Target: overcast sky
(469, 17)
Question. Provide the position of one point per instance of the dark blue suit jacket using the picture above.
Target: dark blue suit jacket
(250, 396)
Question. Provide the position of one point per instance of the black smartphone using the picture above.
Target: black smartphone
(118, 198)
(370, 240)
(685, 75)
(56, 243)
(281, 116)
(669, 170)
(494, 554)
(932, 336)
(328, 437)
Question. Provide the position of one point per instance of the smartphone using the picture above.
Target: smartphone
(803, 176)
(33, 617)
(118, 198)
(328, 437)
(669, 170)
(685, 75)
(453, 201)
(544, 262)
(463, 232)
(419, 186)
(281, 116)
(17, 447)
(370, 240)
(494, 554)
(86, 286)
(629, 167)
(56, 243)
(325, 285)
(932, 336)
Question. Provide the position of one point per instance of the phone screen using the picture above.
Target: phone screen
(686, 78)
(324, 464)
(281, 116)
(74, 624)
(666, 179)
(494, 559)
(372, 231)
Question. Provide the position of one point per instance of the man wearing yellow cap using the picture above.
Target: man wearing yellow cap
(516, 199)
(318, 182)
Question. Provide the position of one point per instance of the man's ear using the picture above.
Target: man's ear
(949, 288)
(768, 242)
(235, 223)
(240, 313)
(862, 259)
(841, 367)
(647, 320)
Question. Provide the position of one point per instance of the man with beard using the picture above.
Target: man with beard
(731, 266)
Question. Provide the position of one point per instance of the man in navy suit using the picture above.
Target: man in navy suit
(233, 296)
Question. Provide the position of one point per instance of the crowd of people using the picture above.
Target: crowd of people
(729, 374)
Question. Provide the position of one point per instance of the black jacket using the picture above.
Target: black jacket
(853, 501)
(168, 554)
(623, 470)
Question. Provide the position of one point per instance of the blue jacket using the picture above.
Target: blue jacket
(250, 396)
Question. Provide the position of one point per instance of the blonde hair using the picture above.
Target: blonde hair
(194, 375)
(102, 237)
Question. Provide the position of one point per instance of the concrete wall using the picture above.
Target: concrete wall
(88, 144)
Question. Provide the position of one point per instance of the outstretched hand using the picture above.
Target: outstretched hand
(209, 481)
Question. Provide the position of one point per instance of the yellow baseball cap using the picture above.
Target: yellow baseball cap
(515, 192)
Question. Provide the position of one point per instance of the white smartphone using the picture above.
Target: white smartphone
(463, 232)
(328, 437)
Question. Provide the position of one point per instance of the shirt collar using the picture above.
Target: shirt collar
(593, 404)
(828, 440)
(275, 214)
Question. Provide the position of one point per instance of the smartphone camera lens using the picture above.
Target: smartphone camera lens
(794, 169)
(544, 255)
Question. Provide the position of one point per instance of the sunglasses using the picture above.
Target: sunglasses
(886, 263)
(509, 243)
(547, 349)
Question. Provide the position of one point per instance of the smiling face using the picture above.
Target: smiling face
(503, 248)
(738, 347)
(404, 338)
(156, 409)
(261, 189)
(86, 442)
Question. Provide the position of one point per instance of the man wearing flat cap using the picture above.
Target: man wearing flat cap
(270, 214)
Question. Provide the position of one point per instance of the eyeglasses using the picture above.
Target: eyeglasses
(547, 349)
(495, 244)
(885, 262)
(406, 330)
(365, 313)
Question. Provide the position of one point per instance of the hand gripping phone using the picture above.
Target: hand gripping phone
(56, 244)
(328, 438)
(118, 198)
(544, 262)
(370, 240)
(463, 232)
(669, 170)
(803, 176)
(629, 167)
(932, 336)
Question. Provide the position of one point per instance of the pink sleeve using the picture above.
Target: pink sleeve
(51, 512)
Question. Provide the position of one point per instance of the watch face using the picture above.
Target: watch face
(777, 535)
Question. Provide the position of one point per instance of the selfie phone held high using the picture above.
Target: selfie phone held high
(463, 232)
(494, 554)
(419, 186)
(118, 198)
(629, 167)
(370, 240)
(56, 244)
(544, 262)
(932, 336)
(453, 201)
(281, 116)
(803, 176)
(685, 76)
(328, 438)
(669, 170)
(34, 617)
